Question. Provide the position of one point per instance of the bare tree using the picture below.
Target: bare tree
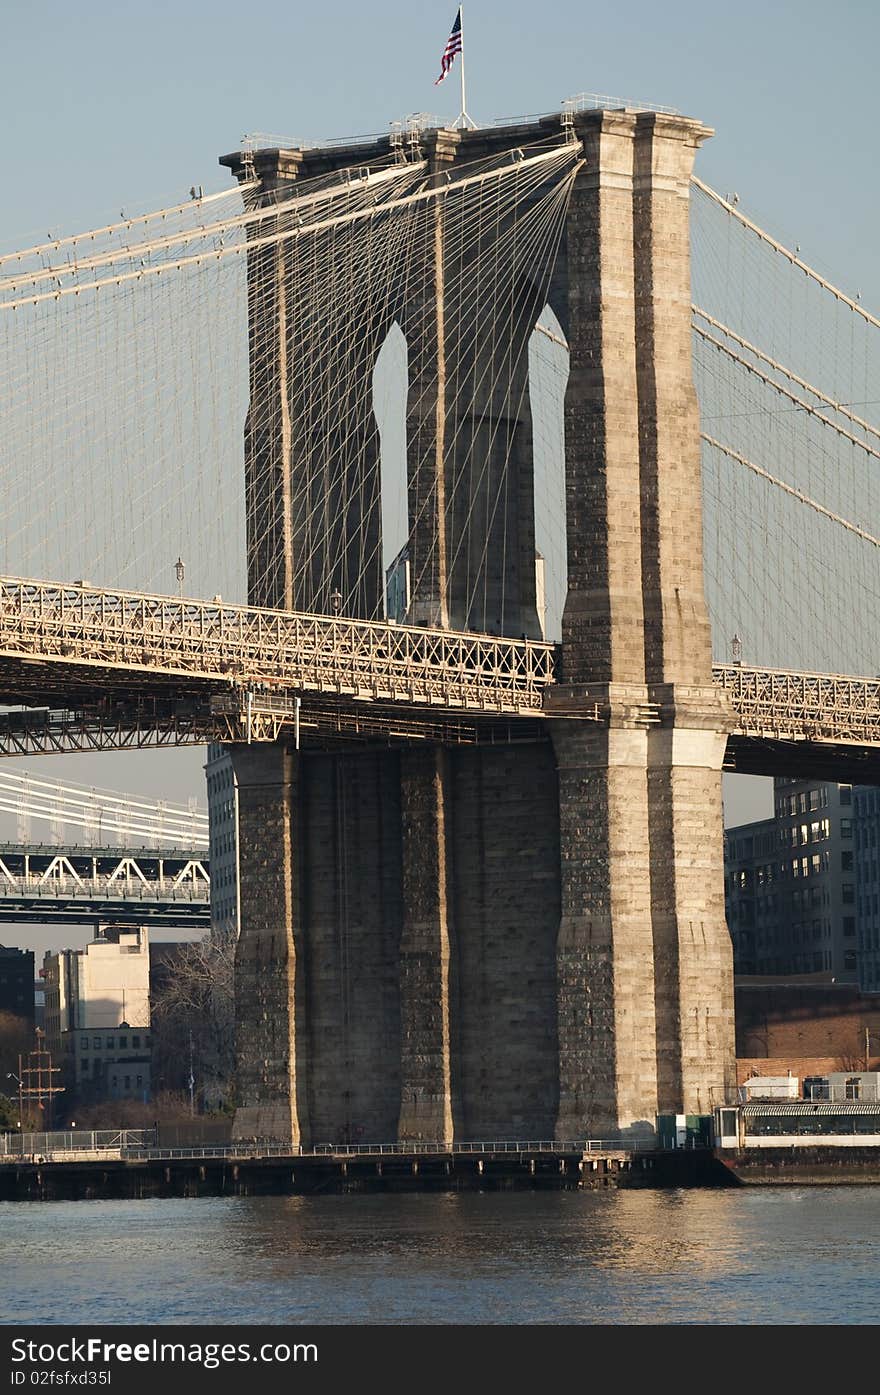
(193, 1020)
(16, 1039)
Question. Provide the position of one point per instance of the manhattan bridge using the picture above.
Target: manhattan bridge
(524, 483)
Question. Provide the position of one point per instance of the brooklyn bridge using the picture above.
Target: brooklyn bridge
(556, 499)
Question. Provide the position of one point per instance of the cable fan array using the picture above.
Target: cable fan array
(787, 368)
(129, 356)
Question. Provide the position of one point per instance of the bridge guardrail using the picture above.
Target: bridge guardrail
(801, 706)
(91, 889)
(74, 1140)
(133, 1151)
(248, 645)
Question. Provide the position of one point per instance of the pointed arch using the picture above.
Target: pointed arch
(548, 380)
(390, 392)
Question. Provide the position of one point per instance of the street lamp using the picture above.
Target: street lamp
(736, 649)
(180, 573)
(192, 1079)
(336, 600)
(10, 1075)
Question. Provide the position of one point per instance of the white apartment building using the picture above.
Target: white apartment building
(97, 1015)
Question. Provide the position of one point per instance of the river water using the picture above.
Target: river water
(772, 1255)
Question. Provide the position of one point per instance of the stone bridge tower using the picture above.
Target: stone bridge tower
(510, 941)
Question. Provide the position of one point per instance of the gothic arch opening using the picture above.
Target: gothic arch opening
(390, 389)
(548, 379)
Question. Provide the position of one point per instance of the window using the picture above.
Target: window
(128, 1082)
(848, 894)
(109, 1043)
(136, 1041)
(853, 1087)
(140, 1081)
(85, 1065)
(846, 794)
(96, 1043)
(849, 925)
(846, 828)
(123, 1042)
(846, 861)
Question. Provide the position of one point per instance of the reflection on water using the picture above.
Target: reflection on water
(787, 1255)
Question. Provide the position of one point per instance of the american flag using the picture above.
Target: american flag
(453, 46)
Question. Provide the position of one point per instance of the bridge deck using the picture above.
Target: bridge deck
(116, 668)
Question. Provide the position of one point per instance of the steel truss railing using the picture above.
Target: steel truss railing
(779, 705)
(91, 889)
(248, 646)
(50, 731)
(253, 664)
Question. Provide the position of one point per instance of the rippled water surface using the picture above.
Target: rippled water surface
(787, 1255)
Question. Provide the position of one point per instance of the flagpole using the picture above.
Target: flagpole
(464, 119)
(461, 31)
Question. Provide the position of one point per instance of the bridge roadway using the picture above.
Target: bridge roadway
(77, 885)
(101, 669)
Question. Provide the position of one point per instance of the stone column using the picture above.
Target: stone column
(605, 967)
(427, 1112)
(693, 954)
(268, 970)
(602, 622)
(607, 1070)
(424, 316)
(311, 441)
(692, 948)
(267, 436)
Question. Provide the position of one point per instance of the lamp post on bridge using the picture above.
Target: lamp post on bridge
(180, 573)
(10, 1075)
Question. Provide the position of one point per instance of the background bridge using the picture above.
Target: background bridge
(78, 885)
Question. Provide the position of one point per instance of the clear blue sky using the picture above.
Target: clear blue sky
(119, 105)
(112, 104)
